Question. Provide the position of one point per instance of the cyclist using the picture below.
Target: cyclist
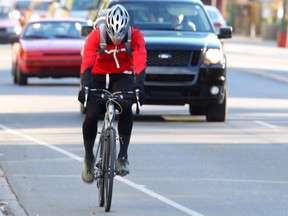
(115, 70)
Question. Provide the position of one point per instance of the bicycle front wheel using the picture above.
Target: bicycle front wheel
(109, 163)
(100, 170)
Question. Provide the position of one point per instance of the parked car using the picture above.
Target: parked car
(48, 48)
(216, 17)
(73, 8)
(20, 7)
(186, 63)
(8, 25)
(38, 9)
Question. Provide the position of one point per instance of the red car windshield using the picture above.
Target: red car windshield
(62, 29)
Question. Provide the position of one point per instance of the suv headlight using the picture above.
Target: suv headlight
(213, 56)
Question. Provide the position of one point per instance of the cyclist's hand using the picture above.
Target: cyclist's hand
(141, 96)
(81, 94)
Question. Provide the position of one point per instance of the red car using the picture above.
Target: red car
(20, 8)
(48, 48)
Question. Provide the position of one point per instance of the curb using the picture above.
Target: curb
(9, 205)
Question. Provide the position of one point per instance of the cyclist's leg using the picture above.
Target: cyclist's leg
(89, 127)
(125, 122)
(89, 130)
(124, 82)
(94, 110)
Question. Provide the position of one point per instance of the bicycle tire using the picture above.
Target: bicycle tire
(110, 156)
(100, 178)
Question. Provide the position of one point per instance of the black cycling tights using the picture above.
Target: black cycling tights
(97, 108)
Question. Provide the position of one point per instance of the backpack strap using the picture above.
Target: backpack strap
(128, 43)
(102, 45)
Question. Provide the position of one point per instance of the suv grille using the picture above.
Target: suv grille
(172, 58)
(169, 78)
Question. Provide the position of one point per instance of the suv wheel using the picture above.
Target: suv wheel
(216, 112)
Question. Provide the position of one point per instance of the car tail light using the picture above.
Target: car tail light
(217, 24)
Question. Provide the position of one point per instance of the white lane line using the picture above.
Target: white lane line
(125, 181)
(159, 197)
(32, 139)
(265, 124)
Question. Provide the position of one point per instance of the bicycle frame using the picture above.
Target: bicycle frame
(109, 115)
(106, 149)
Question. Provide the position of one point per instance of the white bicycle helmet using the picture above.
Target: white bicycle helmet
(117, 23)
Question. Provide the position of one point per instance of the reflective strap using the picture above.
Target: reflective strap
(107, 81)
(115, 57)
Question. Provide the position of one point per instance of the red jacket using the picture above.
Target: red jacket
(114, 62)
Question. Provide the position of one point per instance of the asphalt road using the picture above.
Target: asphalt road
(180, 165)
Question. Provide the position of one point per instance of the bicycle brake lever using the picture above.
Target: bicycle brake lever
(86, 95)
(137, 101)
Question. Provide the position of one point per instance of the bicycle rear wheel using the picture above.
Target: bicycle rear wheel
(109, 166)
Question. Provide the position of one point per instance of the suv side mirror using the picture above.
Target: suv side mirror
(86, 30)
(225, 32)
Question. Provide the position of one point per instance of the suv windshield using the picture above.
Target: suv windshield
(168, 16)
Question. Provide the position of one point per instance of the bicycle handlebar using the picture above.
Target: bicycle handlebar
(107, 95)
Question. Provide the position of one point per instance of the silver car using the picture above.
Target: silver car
(215, 17)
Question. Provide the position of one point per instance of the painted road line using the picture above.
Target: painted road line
(265, 124)
(125, 181)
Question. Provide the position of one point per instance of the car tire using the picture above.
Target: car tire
(14, 73)
(197, 110)
(21, 79)
(216, 112)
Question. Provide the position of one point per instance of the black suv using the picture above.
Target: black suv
(186, 62)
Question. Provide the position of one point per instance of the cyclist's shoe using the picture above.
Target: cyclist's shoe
(122, 166)
(88, 171)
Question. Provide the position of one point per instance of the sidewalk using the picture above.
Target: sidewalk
(265, 57)
(8, 200)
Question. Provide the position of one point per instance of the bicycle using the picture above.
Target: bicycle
(104, 169)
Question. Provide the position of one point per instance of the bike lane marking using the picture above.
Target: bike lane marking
(265, 124)
(125, 181)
